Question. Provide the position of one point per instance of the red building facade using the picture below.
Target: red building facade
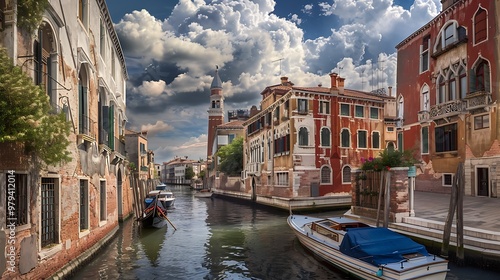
(447, 94)
(306, 140)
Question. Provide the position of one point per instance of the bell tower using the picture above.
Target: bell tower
(215, 111)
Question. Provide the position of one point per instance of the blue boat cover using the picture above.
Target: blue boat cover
(378, 246)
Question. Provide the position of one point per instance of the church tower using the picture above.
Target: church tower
(215, 111)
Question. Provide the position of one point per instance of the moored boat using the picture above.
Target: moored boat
(204, 193)
(367, 252)
(154, 214)
(166, 197)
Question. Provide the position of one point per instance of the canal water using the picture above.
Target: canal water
(218, 238)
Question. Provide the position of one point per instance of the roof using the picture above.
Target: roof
(236, 124)
(216, 82)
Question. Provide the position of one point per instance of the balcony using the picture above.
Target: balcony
(86, 128)
(253, 168)
(424, 116)
(447, 109)
(478, 100)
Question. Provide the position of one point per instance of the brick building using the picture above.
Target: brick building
(449, 68)
(75, 56)
(305, 141)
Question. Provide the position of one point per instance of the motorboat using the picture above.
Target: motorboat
(366, 252)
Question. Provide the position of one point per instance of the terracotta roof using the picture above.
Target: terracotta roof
(236, 124)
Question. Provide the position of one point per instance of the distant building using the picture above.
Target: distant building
(174, 171)
(448, 97)
(306, 140)
(140, 157)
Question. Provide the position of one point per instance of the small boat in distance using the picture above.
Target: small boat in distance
(204, 193)
(166, 197)
(367, 252)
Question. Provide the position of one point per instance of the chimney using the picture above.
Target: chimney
(341, 84)
(445, 4)
(390, 91)
(333, 79)
(284, 81)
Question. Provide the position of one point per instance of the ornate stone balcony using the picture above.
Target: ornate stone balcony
(477, 100)
(447, 109)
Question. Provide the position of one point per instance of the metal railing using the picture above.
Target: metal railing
(86, 125)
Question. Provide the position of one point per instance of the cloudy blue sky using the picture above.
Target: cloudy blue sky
(172, 47)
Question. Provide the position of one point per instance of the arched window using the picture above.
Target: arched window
(441, 88)
(345, 138)
(84, 121)
(400, 110)
(482, 76)
(480, 26)
(462, 78)
(325, 137)
(346, 175)
(452, 87)
(326, 175)
(424, 105)
(45, 57)
(303, 137)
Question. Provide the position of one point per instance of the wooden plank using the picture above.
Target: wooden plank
(449, 219)
(460, 213)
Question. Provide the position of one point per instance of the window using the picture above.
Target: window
(462, 78)
(374, 113)
(82, 12)
(49, 210)
(303, 137)
(302, 106)
(400, 141)
(441, 96)
(425, 106)
(84, 205)
(346, 175)
(344, 110)
(482, 74)
(425, 140)
(480, 26)
(359, 111)
(401, 110)
(102, 39)
(376, 140)
(345, 138)
(326, 175)
(102, 196)
(481, 122)
(324, 107)
(424, 55)
(449, 35)
(282, 144)
(113, 66)
(362, 135)
(17, 188)
(325, 137)
(446, 138)
(282, 178)
(447, 179)
(452, 88)
(84, 121)
(230, 138)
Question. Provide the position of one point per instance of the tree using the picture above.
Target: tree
(189, 173)
(231, 157)
(27, 116)
(202, 174)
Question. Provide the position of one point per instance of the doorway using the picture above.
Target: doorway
(482, 177)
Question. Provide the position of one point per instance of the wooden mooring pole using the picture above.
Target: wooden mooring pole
(456, 203)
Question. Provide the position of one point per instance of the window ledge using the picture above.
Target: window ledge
(83, 233)
(49, 252)
(103, 223)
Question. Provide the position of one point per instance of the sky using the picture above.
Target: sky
(172, 49)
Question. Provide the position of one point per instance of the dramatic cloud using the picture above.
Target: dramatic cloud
(172, 60)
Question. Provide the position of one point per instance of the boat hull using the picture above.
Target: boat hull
(426, 269)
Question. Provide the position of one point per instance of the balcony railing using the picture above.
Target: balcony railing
(86, 125)
(447, 109)
(253, 168)
(478, 99)
(120, 146)
(424, 116)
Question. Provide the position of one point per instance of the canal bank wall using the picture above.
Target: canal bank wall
(66, 271)
(303, 204)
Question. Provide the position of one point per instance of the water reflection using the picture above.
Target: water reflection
(219, 239)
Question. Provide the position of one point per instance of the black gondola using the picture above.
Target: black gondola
(155, 214)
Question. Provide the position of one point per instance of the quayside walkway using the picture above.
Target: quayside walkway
(481, 224)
